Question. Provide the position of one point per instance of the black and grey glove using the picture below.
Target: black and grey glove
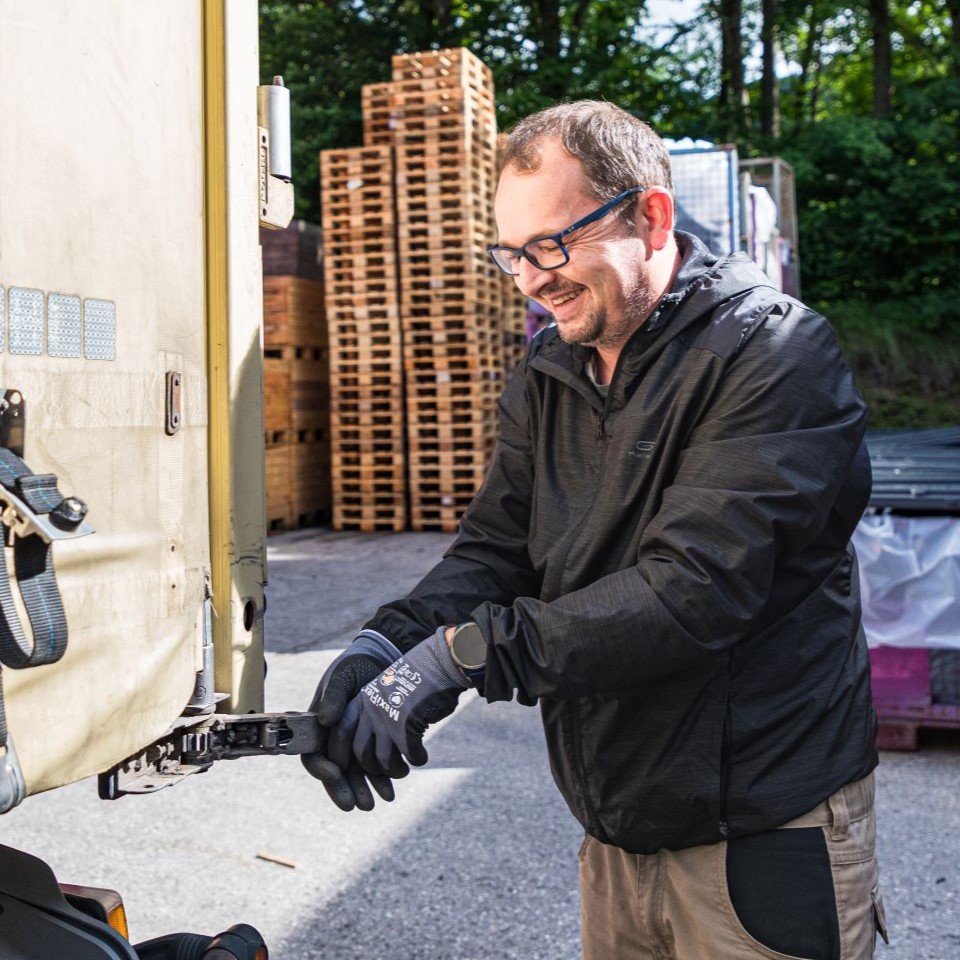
(392, 712)
(345, 782)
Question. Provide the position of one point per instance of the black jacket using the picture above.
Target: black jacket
(669, 571)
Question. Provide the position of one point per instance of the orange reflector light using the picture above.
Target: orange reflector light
(261, 954)
(117, 918)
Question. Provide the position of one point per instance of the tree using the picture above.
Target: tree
(879, 11)
(870, 119)
(953, 8)
(732, 100)
(769, 87)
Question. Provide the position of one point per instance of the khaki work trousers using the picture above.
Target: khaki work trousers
(676, 905)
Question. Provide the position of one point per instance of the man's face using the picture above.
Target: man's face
(604, 293)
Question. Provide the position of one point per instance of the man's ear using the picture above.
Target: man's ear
(658, 212)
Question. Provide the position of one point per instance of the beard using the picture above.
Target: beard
(597, 329)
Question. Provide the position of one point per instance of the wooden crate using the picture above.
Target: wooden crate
(298, 482)
(296, 251)
(293, 312)
(296, 390)
(279, 501)
(311, 486)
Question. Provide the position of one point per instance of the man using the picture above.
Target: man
(660, 557)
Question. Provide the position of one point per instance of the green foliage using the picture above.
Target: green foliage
(878, 200)
(880, 245)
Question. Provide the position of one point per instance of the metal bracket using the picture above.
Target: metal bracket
(174, 402)
(194, 744)
(275, 195)
(13, 421)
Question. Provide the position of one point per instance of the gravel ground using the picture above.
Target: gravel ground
(476, 860)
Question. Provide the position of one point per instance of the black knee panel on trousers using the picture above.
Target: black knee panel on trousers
(781, 887)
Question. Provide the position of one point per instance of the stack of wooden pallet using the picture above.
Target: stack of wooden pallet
(443, 129)
(296, 378)
(513, 315)
(430, 149)
(367, 422)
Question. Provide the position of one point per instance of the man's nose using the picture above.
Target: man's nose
(532, 278)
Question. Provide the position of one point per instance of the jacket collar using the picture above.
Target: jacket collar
(703, 281)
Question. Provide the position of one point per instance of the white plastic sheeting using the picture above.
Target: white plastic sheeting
(910, 580)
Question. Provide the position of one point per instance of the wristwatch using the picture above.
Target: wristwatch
(468, 647)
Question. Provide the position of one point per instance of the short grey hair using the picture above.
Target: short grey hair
(617, 150)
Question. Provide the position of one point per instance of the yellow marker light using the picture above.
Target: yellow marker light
(117, 918)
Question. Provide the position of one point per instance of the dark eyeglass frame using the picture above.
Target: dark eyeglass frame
(558, 238)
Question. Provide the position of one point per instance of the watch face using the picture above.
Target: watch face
(469, 647)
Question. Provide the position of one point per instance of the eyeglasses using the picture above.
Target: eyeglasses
(548, 252)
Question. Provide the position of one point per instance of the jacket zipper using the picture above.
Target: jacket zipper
(726, 748)
(574, 706)
(601, 436)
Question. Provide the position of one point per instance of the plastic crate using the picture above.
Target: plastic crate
(914, 688)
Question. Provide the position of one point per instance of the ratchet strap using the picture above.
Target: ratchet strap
(34, 512)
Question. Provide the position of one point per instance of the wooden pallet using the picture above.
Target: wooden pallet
(350, 163)
(358, 198)
(382, 515)
(457, 64)
(394, 109)
(439, 234)
(368, 462)
(513, 324)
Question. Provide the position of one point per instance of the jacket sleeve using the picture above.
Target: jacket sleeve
(489, 560)
(775, 456)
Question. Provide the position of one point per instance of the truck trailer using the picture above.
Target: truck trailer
(139, 159)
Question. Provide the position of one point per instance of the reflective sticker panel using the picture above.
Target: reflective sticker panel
(99, 329)
(3, 319)
(26, 320)
(63, 325)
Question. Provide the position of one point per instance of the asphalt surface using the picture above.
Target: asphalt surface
(475, 860)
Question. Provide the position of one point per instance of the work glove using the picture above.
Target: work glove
(392, 712)
(345, 782)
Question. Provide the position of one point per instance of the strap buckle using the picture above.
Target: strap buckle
(22, 521)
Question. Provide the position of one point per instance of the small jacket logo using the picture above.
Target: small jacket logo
(642, 450)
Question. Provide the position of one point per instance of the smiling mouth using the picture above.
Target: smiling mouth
(565, 298)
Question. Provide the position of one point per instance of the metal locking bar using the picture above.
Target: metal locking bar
(194, 744)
